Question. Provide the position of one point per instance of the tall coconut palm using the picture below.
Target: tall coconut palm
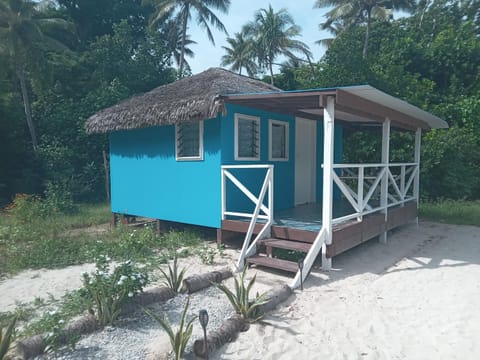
(23, 32)
(240, 55)
(274, 33)
(183, 10)
(173, 34)
(353, 12)
(334, 28)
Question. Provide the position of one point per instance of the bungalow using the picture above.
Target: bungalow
(226, 151)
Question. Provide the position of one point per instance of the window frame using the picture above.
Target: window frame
(286, 124)
(238, 117)
(199, 157)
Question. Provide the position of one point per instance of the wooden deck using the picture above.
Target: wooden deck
(303, 230)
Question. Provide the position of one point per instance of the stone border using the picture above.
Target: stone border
(235, 324)
(35, 345)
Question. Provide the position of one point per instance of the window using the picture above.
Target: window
(247, 137)
(189, 141)
(278, 140)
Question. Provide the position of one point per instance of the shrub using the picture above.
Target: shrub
(240, 299)
(109, 291)
(174, 278)
(207, 255)
(6, 339)
(178, 339)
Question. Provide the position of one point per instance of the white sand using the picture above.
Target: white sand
(417, 297)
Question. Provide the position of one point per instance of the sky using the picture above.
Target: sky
(241, 12)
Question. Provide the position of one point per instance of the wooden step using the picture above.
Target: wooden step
(286, 244)
(275, 263)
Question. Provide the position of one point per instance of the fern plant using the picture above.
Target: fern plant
(240, 297)
(174, 278)
(178, 339)
(6, 339)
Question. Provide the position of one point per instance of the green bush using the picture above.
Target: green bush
(108, 291)
(178, 339)
(6, 339)
(174, 278)
(240, 298)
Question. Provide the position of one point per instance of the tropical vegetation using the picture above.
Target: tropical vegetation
(60, 65)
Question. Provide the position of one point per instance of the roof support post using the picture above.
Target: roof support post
(327, 201)
(384, 184)
(416, 181)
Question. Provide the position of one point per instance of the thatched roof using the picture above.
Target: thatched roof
(189, 99)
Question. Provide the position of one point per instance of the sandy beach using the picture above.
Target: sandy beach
(416, 297)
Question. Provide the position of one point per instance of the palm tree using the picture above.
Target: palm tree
(274, 33)
(173, 35)
(335, 28)
(240, 55)
(23, 32)
(183, 9)
(349, 13)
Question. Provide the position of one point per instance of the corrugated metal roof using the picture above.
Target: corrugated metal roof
(354, 103)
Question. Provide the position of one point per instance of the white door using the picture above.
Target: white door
(305, 161)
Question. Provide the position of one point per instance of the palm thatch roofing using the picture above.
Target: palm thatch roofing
(194, 98)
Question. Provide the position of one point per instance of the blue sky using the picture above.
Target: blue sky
(241, 11)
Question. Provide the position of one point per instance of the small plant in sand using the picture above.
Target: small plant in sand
(174, 277)
(108, 290)
(6, 338)
(240, 297)
(178, 339)
(207, 255)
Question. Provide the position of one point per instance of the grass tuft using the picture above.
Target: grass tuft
(457, 212)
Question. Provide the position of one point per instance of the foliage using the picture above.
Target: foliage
(174, 278)
(137, 242)
(240, 55)
(240, 297)
(207, 254)
(180, 11)
(108, 290)
(273, 34)
(450, 164)
(6, 338)
(178, 339)
(458, 212)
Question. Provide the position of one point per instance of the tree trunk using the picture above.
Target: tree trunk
(35, 345)
(217, 338)
(197, 282)
(184, 38)
(270, 67)
(367, 33)
(278, 295)
(27, 106)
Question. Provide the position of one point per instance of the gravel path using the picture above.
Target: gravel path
(140, 337)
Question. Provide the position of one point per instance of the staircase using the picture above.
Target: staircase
(265, 259)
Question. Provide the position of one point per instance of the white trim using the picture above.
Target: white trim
(200, 144)
(247, 117)
(270, 139)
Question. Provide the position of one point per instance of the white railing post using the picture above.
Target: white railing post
(361, 175)
(402, 184)
(327, 202)
(416, 182)
(385, 162)
(223, 189)
(249, 248)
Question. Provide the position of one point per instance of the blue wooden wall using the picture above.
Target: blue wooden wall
(284, 171)
(146, 179)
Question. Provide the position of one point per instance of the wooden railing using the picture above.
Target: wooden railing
(249, 247)
(371, 188)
